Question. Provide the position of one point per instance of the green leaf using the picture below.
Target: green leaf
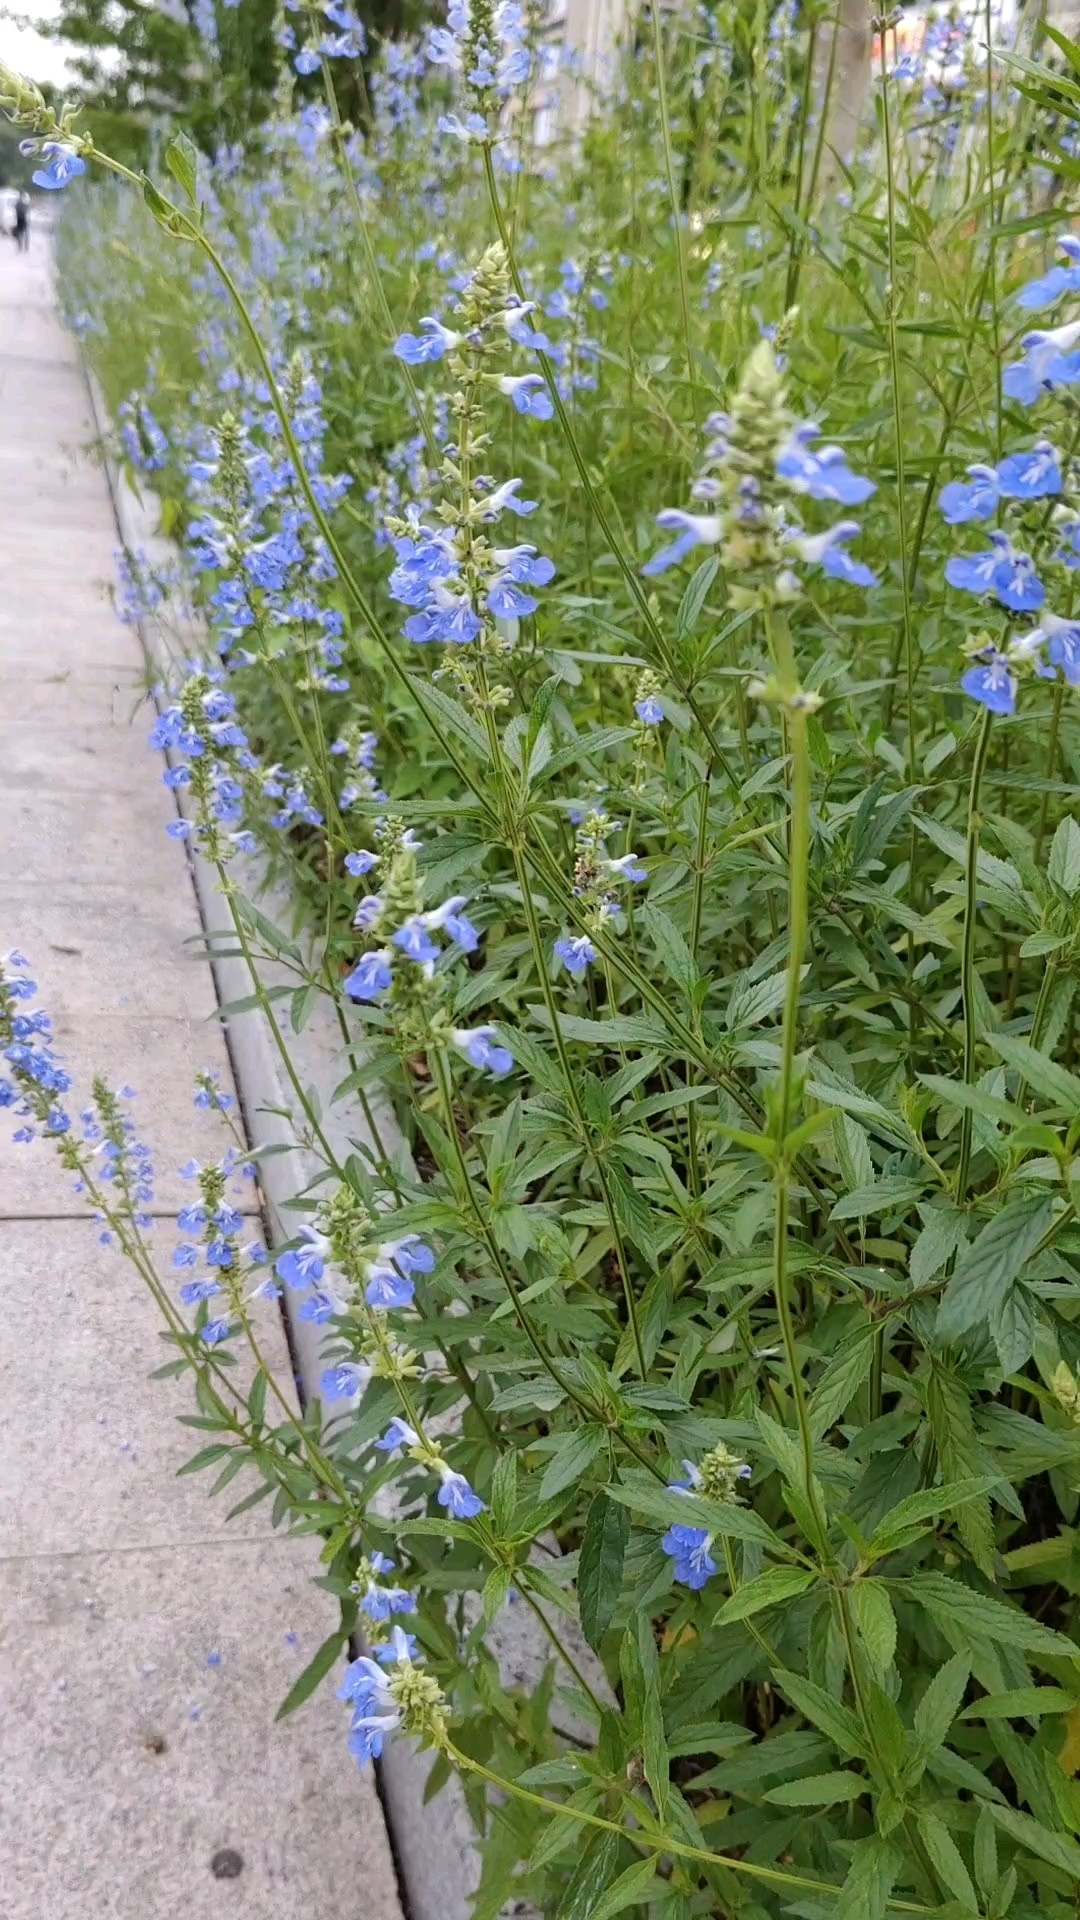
(633, 1888)
(829, 1714)
(204, 1459)
(1021, 1703)
(876, 1622)
(621, 1030)
(600, 1566)
(938, 1709)
(643, 1495)
(903, 1522)
(883, 1197)
(952, 1424)
(316, 1670)
(987, 1268)
(776, 1584)
(841, 1380)
(655, 1756)
(573, 1457)
(865, 1892)
(944, 1232)
(182, 160)
(947, 1860)
(695, 596)
(1055, 1083)
(590, 1877)
(674, 954)
(504, 1490)
(452, 715)
(1063, 866)
(1055, 1848)
(958, 1609)
(820, 1790)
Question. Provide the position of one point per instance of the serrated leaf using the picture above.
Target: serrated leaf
(987, 1268)
(882, 1197)
(869, 1882)
(876, 1622)
(918, 1508)
(952, 1424)
(182, 159)
(673, 952)
(1063, 866)
(947, 1860)
(820, 1790)
(452, 715)
(695, 596)
(573, 1457)
(1021, 1703)
(1055, 1083)
(689, 1510)
(958, 1609)
(818, 1706)
(937, 1710)
(767, 1589)
(600, 1566)
(1055, 1848)
(944, 1232)
(633, 1888)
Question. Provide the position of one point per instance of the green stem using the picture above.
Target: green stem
(673, 196)
(661, 1843)
(891, 302)
(967, 963)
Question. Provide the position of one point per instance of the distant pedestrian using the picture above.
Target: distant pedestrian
(22, 221)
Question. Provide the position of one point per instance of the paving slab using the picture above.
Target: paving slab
(145, 1641)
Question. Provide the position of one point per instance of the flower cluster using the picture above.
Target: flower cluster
(755, 460)
(459, 586)
(34, 1077)
(717, 1478)
(211, 760)
(212, 1226)
(348, 43)
(596, 874)
(388, 1692)
(483, 44)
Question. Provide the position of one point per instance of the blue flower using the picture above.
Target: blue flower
(430, 343)
(826, 550)
(477, 1044)
(504, 499)
(380, 1602)
(975, 500)
(577, 953)
(524, 565)
(529, 393)
(695, 530)
(376, 1713)
(991, 683)
(689, 1548)
(64, 164)
(195, 1290)
(414, 942)
(370, 977)
(304, 1265)
(457, 1496)
(1048, 362)
(387, 1288)
(1063, 646)
(319, 1307)
(214, 1332)
(361, 862)
(823, 474)
(307, 61)
(1030, 476)
(626, 867)
(649, 711)
(1008, 575)
(1058, 280)
(449, 919)
(343, 1381)
(398, 1434)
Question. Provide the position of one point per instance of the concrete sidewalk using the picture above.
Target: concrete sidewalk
(144, 1645)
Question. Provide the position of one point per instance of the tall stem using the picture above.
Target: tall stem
(967, 963)
(891, 303)
(673, 196)
(798, 928)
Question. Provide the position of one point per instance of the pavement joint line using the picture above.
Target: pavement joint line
(235, 1542)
